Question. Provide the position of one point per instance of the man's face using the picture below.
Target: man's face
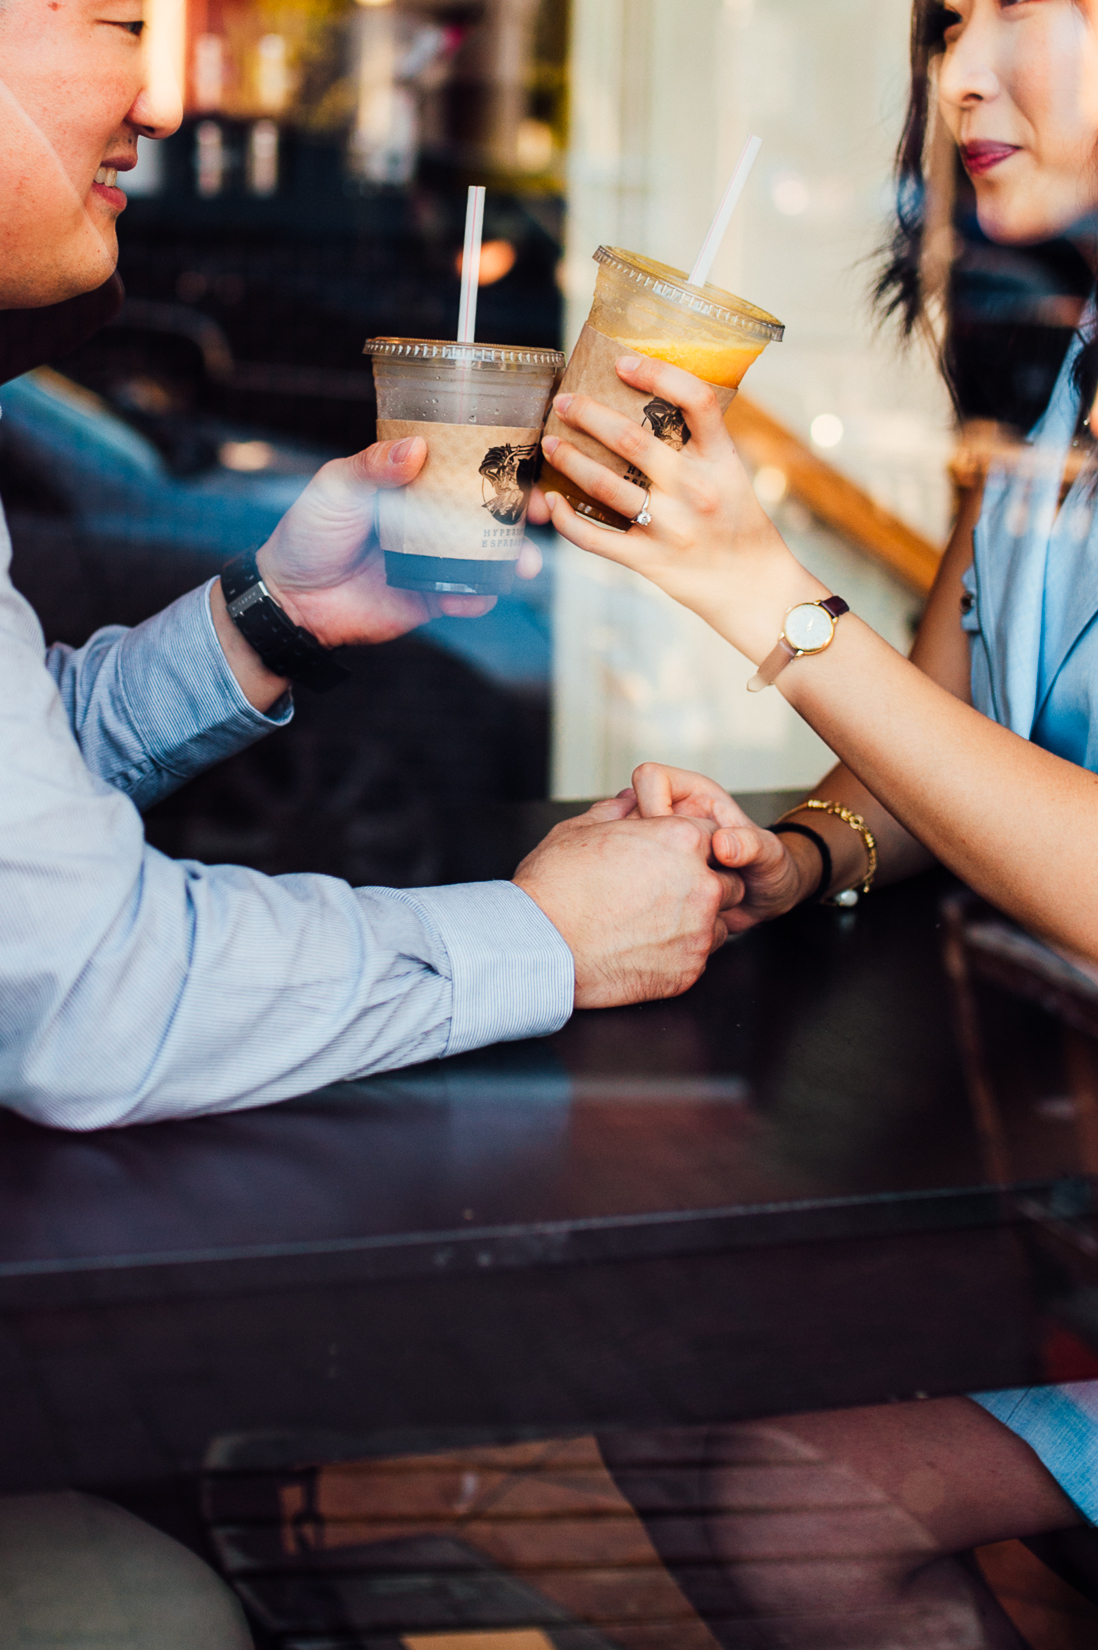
(75, 94)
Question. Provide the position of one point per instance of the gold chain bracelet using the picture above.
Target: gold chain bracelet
(848, 896)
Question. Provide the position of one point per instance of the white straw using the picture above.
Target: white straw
(719, 227)
(470, 267)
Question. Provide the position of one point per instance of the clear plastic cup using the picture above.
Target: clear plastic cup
(652, 308)
(480, 409)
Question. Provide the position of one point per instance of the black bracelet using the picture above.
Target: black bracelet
(825, 855)
(286, 648)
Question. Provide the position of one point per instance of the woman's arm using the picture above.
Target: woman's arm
(780, 873)
(941, 651)
(1017, 823)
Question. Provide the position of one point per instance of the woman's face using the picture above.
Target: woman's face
(75, 93)
(1018, 89)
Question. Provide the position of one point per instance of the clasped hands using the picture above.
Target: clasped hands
(646, 886)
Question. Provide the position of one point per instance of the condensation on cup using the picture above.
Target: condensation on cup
(480, 408)
(651, 308)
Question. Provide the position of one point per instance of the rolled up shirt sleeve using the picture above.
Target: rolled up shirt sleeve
(135, 987)
(153, 706)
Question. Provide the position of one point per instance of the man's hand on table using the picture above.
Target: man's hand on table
(636, 900)
(323, 564)
(772, 873)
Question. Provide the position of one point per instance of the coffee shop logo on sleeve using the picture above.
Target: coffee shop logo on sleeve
(509, 472)
(667, 425)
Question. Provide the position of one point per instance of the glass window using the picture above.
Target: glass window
(314, 196)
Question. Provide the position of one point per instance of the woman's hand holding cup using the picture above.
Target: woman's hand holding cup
(710, 544)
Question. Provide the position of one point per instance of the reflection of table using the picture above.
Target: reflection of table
(766, 1195)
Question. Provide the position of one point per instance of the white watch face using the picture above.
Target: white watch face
(808, 627)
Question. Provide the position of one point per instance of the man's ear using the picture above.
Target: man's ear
(31, 337)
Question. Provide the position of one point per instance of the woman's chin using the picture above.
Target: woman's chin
(1009, 232)
(1010, 223)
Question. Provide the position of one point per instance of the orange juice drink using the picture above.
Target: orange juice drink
(719, 364)
(648, 307)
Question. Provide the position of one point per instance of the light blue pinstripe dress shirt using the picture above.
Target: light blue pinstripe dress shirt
(135, 987)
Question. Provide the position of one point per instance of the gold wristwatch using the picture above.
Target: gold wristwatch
(809, 628)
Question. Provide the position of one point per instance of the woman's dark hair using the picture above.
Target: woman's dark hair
(1005, 336)
(899, 288)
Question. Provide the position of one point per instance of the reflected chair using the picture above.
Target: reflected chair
(983, 948)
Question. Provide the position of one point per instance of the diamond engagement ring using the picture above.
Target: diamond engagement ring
(643, 517)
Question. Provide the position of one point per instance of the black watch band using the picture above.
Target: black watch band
(286, 648)
(826, 870)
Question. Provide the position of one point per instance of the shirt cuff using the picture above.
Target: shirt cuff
(184, 698)
(512, 974)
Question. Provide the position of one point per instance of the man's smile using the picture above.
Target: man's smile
(106, 187)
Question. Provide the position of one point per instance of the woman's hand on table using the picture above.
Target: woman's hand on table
(711, 544)
(773, 873)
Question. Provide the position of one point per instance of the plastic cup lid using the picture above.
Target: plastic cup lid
(723, 307)
(439, 349)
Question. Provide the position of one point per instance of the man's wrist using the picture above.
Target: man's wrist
(285, 599)
(287, 649)
(260, 686)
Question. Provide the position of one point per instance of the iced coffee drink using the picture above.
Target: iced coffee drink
(479, 407)
(649, 307)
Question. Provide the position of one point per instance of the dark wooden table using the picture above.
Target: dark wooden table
(765, 1196)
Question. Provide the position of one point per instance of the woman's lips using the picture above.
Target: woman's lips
(981, 157)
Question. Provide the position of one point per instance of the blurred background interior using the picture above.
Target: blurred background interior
(314, 196)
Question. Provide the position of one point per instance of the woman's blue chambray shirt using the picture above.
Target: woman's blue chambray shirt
(1033, 623)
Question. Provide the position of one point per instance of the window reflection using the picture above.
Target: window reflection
(312, 198)
(314, 195)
